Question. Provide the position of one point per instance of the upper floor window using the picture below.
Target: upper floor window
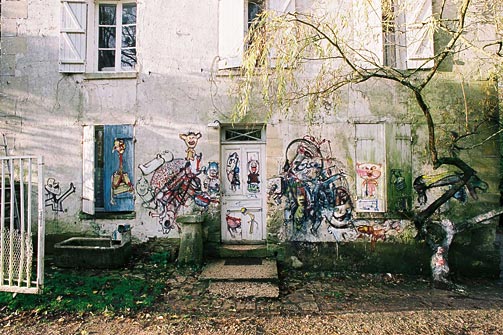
(235, 19)
(116, 36)
(98, 36)
(393, 33)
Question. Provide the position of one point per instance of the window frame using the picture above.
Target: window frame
(233, 26)
(118, 37)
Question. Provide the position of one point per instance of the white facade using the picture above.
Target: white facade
(52, 91)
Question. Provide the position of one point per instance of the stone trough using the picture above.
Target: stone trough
(93, 252)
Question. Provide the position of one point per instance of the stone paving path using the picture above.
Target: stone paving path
(332, 293)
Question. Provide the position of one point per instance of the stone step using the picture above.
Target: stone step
(243, 250)
(244, 289)
(246, 277)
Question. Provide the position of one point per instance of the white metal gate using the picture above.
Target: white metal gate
(22, 225)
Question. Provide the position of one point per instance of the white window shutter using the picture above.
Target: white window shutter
(419, 36)
(231, 33)
(282, 6)
(72, 39)
(370, 155)
(368, 36)
(88, 170)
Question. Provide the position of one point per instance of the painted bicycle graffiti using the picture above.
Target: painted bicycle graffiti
(176, 183)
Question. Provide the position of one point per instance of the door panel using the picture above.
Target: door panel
(243, 186)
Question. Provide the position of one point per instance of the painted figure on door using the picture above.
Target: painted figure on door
(370, 173)
(120, 178)
(253, 176)
(232, 171)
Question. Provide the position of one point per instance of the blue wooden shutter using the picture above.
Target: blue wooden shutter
(118, 199)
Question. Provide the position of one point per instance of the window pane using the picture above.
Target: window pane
(129, 13)
(106, 60)
(107, 14)
(128, 59)
(107, 37)
(129, 37)
(243, 135)
(254, 9)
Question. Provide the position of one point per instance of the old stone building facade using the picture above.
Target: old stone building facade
(129, 103)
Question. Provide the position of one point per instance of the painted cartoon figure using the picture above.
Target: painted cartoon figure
(212, 182)
(232, 170)
(253, 176)
(190, 140)
(370, 173)
(251, 219)
(54, 198)
(233, 224)
(120, 178)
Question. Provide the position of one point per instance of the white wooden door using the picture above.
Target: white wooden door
(243, 193)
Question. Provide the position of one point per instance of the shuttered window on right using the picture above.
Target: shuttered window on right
(394, 33)
(383, 154)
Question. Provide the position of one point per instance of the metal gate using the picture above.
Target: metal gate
(22, 226)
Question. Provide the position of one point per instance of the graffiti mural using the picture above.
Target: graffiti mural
(314, 188)
(120, 178)
(176, 183)
(423, 183)
(53, 196)
(314, 193)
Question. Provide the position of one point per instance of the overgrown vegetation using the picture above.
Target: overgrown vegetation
(132, 289)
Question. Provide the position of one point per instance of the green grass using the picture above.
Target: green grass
(84, 291)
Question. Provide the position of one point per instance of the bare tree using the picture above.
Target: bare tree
(309, 57)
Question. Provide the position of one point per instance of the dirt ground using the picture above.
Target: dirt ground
(309, 303)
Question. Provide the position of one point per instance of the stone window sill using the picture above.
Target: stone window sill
(110, 75)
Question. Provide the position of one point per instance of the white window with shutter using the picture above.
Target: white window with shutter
(234, 18)
(419, 33)
(72, 44)
(368, 33)
(231, 33)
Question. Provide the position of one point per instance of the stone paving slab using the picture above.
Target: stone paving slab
(218, 270)
(243, 289)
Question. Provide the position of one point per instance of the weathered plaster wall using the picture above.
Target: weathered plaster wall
(177, 90)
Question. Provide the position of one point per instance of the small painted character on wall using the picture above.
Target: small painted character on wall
(54, 198)
(212, 182)
(191, 140)
(253, 176)
(120, 178)
(232, 170)
(370, 173)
